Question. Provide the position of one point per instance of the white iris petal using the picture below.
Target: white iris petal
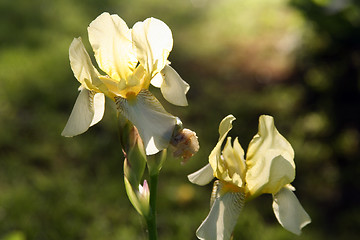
(110, 39)
(154, 124)
(203, 176)
(82, 67)
(269, 159)
(88, 110)
(157, 80)
(152, 41)
(173, 87)
(222, 218)
(99, 108)
(289, 212)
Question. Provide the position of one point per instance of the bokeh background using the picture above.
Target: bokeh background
(298, 60)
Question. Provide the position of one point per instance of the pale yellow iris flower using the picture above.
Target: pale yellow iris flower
(131, 60)
(268, 168)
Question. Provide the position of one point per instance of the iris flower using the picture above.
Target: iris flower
(268, 168)
(129, 61)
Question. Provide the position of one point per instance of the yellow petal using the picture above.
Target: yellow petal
(289, 212)
(137, 81)
(154, 124)
(234, 163)
(110, 39)
(269, 160)
(239, 155)
(225, 126)
(111, 86)
(173, 87)
(88, 110)
(153, 42)
(215, 155)
(123, 89)
(82, 67)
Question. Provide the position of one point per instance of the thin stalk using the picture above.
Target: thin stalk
(151, 219)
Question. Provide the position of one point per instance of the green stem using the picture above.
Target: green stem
(151, 220)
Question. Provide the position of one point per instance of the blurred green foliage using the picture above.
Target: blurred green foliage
(298, 60)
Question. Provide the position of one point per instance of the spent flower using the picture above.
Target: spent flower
(131, 60)
(268, 168)
(185, 143)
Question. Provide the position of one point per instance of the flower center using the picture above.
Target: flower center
(229, 187)
(130, 96)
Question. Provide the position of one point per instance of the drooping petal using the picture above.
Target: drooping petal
(110, 39)
(289, 212)
(269, 160)
(154, 124)
(215, 193)
(82, 67)
(222, 218)
(215, 155)
(173, 87)
(88, 110)
(153, 42)
(202, 176)
(99, 108)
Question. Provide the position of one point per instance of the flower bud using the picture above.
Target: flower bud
(134, 152)
(139, 197)
(144, 192)
(129, 135)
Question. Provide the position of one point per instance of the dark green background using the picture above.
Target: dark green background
(297, 60)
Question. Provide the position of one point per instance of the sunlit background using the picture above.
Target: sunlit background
(298, 60)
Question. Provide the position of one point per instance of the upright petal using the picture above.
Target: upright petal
(173, 87)
(202, 176)
(154, 124)
(215, 155)
(225, 126)
(289, 212)
(222, 218)
(88, 110)
(234, 163)
(269, 160)
(82, 67)
(153, 42)
(110, 39)
(239, 154)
